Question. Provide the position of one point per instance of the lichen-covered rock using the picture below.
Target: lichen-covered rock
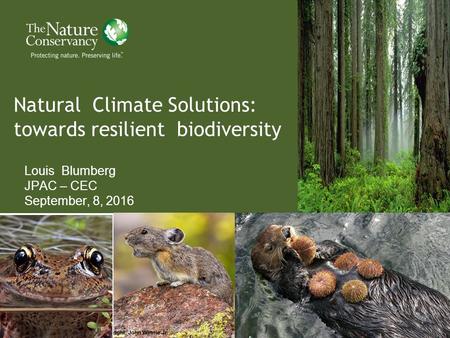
(185, 311)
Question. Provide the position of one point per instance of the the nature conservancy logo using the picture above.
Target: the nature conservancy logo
(115, 32)
(59, 35)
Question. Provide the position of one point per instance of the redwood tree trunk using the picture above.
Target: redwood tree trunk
(433, 170)
(308, 50)
(368, 41)
(409, 82)
(354, 43)
(400, 103)
(416, 126)
(301, 111)
(359, 72)
(341, 86)
(324, 89)
(395, 98)
(380, 114)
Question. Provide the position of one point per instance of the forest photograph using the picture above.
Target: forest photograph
(373, 117)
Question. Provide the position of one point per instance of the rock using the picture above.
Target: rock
(185, 311)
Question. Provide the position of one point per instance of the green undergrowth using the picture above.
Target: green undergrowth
(387, 187)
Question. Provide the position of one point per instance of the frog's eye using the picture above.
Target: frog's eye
(144, 231)
(94, 259)
(174, 236)
(23, 258)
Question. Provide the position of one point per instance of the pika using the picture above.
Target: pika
(176, 263)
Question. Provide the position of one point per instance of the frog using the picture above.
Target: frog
(34, 278)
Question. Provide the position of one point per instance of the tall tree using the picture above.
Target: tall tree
(409, 13)
(348, 66)
(308, 59)
(395, 90)
(433, 170)
(301, 107)
(447, 11)
(380, 48)
(400, 99)
(416, 126)
(418, 62)
(354, 124)
(341, 85)
(324, 89)
(368, 72)
(359, 72)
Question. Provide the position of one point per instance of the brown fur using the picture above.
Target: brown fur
(267, 254)
(176, 263)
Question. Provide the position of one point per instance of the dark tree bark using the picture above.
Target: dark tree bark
(354, 43)
(308, 58)
(400, 102)
(433, 170)
(419, 61)
(368, 41)
(420, 79)
(410, 8)
(324, 89)
(409, 82)
(341, 86)
(447, 25)
(359, 71)
(301, 111)
(348, 68)
(416, 126)
(380, 48)
(395, 98)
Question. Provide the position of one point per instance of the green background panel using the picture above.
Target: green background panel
(202, 48)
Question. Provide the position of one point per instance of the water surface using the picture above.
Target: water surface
(413, 244)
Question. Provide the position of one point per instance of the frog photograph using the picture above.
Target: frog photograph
(342, 275)
(174, 275)
(55, 276)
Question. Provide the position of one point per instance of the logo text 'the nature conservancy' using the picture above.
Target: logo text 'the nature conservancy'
(57, 34)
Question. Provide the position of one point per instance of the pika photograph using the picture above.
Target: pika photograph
(343, 275)
(55, 276)
(174, 275)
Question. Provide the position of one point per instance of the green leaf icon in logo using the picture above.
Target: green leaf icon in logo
(115, 32)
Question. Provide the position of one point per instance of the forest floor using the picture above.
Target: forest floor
(389, 187)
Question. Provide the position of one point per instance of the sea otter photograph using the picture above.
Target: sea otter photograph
(342, 275)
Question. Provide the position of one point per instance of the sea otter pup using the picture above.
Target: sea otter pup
(384, 303)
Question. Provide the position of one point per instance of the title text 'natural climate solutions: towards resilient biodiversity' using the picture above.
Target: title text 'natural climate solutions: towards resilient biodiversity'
(126, 129)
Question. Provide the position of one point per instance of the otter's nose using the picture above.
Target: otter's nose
(286, 232)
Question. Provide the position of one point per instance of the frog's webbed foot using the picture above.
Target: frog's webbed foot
(162, 283)
(177, 283)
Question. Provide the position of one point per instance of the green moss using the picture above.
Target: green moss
(212, 328)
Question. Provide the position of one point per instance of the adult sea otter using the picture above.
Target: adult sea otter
(355, 296)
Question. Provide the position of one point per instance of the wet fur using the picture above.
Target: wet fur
(396, 305)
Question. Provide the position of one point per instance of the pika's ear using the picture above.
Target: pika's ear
(174, 236)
